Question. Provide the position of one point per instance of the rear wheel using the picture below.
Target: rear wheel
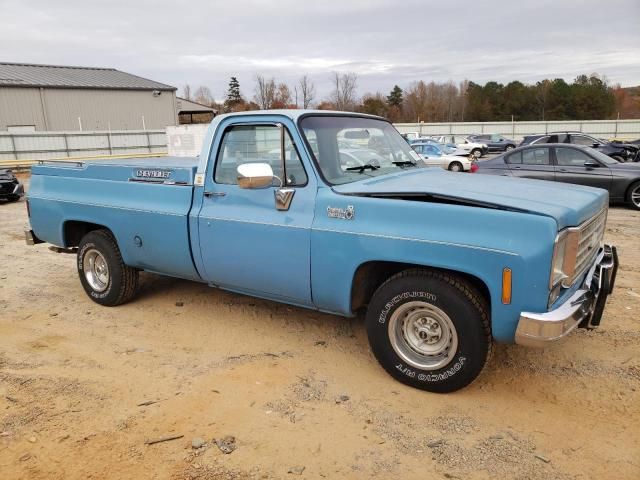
(633, 196)
(455, 167)
(103, 274)
(429, 330)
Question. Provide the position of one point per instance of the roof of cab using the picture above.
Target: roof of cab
(295, 114)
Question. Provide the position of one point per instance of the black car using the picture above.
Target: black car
(623, 152)
(10, 188)
(566, 163)
(495, 142)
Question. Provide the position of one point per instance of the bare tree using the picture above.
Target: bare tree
(344, 91)
(265, 92)
(203, 95)
(186, 92)
(307, 90)
(282, 98)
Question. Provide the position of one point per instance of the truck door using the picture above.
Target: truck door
(257, 240)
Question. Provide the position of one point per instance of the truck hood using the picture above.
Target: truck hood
(569, 205)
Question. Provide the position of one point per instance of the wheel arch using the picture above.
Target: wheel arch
(74, 230)
(371, 274)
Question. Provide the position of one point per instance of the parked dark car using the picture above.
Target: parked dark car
(10, 188)
(623, 152)
(494, 142)
(567, 163)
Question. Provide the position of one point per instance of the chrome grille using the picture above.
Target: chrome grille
(591, 235)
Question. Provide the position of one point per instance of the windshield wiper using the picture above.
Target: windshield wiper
(362, 168)
(405, 163)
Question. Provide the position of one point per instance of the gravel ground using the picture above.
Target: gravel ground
(264, 390)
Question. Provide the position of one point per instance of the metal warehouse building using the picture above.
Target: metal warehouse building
(61, 98)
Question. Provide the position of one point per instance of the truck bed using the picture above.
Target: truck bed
(145, 202)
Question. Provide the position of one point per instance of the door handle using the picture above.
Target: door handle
(562, 169)
(214, 194)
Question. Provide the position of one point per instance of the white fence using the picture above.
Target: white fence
(45, 145)
(186, 140)
(624, 129)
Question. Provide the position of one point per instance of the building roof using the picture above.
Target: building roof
(184, 105)
(56, 76)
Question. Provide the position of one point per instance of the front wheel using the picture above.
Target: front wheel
(618, 158)
(633, 196)
(476, 152)
(455, 167)
(429, 330)
(510, 147)
(103, 274)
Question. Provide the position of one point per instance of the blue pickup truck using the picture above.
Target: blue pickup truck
(442, 263)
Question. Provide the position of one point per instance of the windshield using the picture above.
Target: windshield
(602, 158)
(340, 143)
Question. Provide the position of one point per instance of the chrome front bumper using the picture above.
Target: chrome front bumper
(584, 308)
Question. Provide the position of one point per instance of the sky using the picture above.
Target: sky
(385, 42)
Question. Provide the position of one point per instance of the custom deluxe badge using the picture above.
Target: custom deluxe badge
(343, 213)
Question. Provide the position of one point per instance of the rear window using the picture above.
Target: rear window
(515, 157)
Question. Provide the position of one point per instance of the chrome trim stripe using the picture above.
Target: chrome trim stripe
(108, 206)
(237, 220)
(409, 239)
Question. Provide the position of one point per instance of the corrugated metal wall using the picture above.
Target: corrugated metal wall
(626, 129)
(97, 109)
(21, 106)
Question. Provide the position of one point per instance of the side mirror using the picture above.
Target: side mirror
(595, 145)
(255, 175)
(590, 164)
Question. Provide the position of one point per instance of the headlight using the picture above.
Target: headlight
(563, 262)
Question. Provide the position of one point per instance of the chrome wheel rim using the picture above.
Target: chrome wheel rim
(96, 270)
(423, 335)
(509, 148)
(635, 196)
(456, 167)
(477, 153)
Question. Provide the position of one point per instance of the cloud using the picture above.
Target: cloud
(384, 41)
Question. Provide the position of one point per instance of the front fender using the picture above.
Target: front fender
(475, 241)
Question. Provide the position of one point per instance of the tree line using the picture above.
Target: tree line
(588, 97)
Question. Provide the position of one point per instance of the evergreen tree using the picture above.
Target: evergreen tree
(395, 97)
(234, 97)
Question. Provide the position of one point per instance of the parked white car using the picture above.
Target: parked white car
(470, 148)
(433, 155)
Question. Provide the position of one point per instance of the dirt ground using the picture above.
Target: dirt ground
(299, 390)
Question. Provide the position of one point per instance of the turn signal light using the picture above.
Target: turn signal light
(506, 286)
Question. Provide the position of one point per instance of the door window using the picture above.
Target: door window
(257, 144)
(570, 157)
(536, 156)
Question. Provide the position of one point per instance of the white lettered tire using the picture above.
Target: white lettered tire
(103, 274)
(429, 329)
